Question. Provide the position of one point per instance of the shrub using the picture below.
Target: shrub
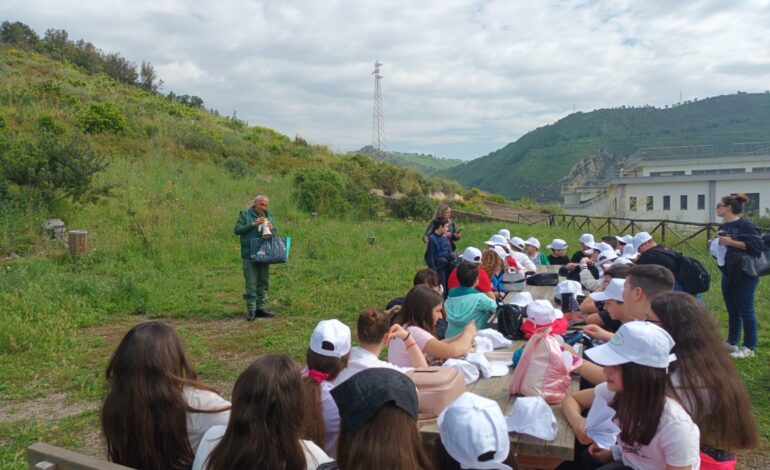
(414, 205)
(48, 123)
(103, 117)
(364, 203)
(319, 190)
(197, 140)
(236, 167)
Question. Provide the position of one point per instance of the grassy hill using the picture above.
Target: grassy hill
(426, 163)
(535, 164)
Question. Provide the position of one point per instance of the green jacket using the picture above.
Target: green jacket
(247, 231)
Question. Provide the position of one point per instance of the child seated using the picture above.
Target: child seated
(374, 333)
(558, 254)
(465, 304)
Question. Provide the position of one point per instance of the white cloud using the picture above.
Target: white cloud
(461, 78)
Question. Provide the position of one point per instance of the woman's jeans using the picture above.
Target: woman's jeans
(739, 300)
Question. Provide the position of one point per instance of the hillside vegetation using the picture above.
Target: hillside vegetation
(419, 161)
(536, 164)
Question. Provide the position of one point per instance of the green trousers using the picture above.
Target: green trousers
(257, 279)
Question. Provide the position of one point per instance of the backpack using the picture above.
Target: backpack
(541, 371)
(437, 388)
(509, 320)
(543, 279)
(691, 275)
(513, 282)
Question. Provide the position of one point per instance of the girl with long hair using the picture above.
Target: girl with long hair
(156, 411)
(656, 432)
(705, 380)
(327, 356)
(735, 237)
(265, 428)
(379, 422)
(422, 308)
(493, 266)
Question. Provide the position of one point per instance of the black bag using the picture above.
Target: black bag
(692, 276)
(543, 279)
(755, 266)
(509, 320)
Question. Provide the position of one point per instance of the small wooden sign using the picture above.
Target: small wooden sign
(78, 242)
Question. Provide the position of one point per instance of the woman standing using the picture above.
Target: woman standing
(736, 236)
(452, 234)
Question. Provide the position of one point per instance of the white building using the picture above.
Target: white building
(675, 189)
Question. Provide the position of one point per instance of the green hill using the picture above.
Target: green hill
(426, 163)
(535, 164)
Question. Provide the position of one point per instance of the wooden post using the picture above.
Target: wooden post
(372, 239)
(663, 232)
(78, 241)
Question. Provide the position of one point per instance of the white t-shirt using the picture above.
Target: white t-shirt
(397, 353)
(676, 442)
(314, 455)
(331, 416)
(199, 423)
(524, 262)
(361, 359)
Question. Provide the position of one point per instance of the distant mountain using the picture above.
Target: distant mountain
(586, 146)
(419, 161)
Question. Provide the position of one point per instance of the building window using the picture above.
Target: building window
(667, 173)
(683, 202)
(701, 202)
(752, 207)
(649, 203)
(761, 169)
(632, 203)
(666, 203)
(719, 171)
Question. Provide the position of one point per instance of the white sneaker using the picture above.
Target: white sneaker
(730, 347)
(742, 353)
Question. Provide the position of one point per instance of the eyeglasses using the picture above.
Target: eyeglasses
(720, 205)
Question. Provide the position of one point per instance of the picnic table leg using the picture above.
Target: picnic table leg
(530, 462)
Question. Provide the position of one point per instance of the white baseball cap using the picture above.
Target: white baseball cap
(487, 368)
(607, 255)
(614, 291)
(603, 246)
(629, 252)
(639, 342)
(500, 252)
(622, 260)
(517, 242)
(567, 287)
(540, 314)
(497, 338)
(625, 239)
(522, 299)
(640, 239)
(472, 255)
(470, 372)
(471, 427)
(557, 244)
(587, 239)
(532, 416)
(505, 233)
(330, 338)
(533, 241)
(496, 240)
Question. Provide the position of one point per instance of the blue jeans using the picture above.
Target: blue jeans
(739, 300)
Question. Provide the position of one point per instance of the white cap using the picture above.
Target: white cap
(500, 252)
(522, 299)
(589, 251)
(557, 244)
(639, 342)
(533, 241)
(567, 287)
(614, 291)
(483, 344)
(603, 246)
(517, 242)
(330, 338)
(587, 239)
(625, 239)
(470, 372)
(488, 369)
(540, 314)
(607, 255)
(629, 252)
(497, 338)
(532, 416)
(640, 239)
(472, 255)
(496, 240)
(621, 260)
(505, 233)
(471, 427)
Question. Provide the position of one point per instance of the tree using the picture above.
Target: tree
(18, 33)
(147, 77)
(120, 69)
(56, 44)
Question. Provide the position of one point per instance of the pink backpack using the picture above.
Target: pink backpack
(541, 371)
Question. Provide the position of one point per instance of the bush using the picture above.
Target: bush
(320, 190)
(103, 117)
(201, 140)
(236, 167)
(414, 205)
(48, 123)
(364, 203)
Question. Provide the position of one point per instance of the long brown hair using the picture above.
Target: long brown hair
(389, 440)
(639, 406)
(736, 202)
(313, 421)
(266, 419)
(144, 414)
(441, 210)
(491, 263)
(714, 393)
(417, 309)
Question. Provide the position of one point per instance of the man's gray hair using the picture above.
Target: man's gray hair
(260, 197)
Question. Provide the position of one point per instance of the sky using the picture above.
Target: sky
(461, 78)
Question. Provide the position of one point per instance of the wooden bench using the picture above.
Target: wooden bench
(41, 456)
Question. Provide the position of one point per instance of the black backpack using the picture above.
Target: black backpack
(691, 275)
(543, 279)
(509, 320)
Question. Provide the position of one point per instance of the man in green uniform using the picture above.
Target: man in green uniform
(256, 275)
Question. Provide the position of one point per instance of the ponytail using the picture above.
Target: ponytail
(736, 202)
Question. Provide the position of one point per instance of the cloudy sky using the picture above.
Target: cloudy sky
(461, 78)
